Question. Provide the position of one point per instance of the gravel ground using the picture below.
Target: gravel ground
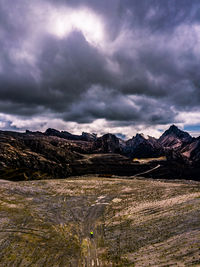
(136, 222)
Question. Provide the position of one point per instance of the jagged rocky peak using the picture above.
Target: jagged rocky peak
(174, 130)
(174, 137)
(139, 138)
(142, 136)
(141, 146)
(108, 143)
(110, 138)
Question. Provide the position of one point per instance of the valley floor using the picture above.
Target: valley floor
(136, 222)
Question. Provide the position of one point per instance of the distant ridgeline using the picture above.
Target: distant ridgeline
(60, 154)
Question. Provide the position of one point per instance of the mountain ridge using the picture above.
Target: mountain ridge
(61, 154)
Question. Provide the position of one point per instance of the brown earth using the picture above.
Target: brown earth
(136, 222)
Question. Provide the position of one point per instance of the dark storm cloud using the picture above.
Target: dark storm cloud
(69, 67)
(156, 15)
(163, 15)
(99, 103)
(147, 71)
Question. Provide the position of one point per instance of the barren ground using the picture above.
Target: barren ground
(136, 222)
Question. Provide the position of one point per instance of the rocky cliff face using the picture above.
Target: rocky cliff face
(141, 147)
(107, 143)
(191, 152)
(174, 138)
(180, 146)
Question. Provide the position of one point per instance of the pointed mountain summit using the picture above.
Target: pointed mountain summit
(174, 130)
(174, 137)
(143, 147)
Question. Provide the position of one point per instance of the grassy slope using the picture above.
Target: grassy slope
(135, 222)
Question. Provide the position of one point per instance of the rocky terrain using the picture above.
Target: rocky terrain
(136, 222)
(141, 147)
(175, 138)
(59, 154)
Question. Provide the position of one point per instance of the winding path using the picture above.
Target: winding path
(138, 174)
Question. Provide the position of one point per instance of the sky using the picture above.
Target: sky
(118, 66)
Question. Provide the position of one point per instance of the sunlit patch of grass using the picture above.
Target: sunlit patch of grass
(147, 160)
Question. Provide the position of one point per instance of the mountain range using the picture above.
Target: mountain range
(59, 154)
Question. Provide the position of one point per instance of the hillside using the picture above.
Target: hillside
(55, 154)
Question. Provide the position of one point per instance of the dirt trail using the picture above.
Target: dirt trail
(86, 220)
(94, 213)
(141, 173)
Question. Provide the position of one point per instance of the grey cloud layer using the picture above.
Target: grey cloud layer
(148, 72)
